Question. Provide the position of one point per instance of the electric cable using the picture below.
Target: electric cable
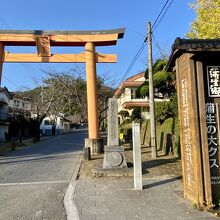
(158, 20)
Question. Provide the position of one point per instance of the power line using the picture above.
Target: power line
(12, 83)
(133, 62)
(155, 25)
(161, 11)
(163, 15)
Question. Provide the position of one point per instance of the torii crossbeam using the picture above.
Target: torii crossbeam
(44, 40)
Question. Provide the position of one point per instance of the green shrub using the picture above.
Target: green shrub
(176, 132)
(169, 126)
(136, 113)
(143, 90)
(162, 111)
(124, 114)
(160, 78)
(174, 105)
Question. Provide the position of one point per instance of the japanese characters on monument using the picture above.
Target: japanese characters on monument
(213, 76)
(186, 131)
(212, 121)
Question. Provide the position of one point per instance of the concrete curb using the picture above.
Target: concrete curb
(69, 205)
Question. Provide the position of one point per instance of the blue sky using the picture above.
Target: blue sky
(93, 15)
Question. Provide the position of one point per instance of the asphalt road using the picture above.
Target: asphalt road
(33, 180)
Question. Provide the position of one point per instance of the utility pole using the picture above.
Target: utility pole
(153, 141)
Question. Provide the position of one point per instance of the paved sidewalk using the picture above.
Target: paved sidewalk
(115, 199)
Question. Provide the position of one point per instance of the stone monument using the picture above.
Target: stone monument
(114, 156)
(136, 136)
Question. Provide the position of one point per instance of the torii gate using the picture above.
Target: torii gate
(43, 40)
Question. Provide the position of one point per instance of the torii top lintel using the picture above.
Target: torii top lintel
(61, 38)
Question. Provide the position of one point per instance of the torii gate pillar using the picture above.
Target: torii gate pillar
(94, 141)
(1, 60)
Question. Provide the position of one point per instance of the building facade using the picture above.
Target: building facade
(5, 97)
(56, 122)
(127, 99)
(20, 106)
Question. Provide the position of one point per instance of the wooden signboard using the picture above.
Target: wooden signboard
(190, 143)
(212, 99)
(197, 67)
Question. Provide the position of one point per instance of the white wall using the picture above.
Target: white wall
(125, 96)
(60, 123)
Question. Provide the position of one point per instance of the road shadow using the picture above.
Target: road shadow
(53, 148)
(162, 182)
(158, 162)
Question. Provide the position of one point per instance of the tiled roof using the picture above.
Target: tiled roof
(131, 104)
(137, 76)
(130, 82)
(6, 92)
(191, 45)
(204, 44)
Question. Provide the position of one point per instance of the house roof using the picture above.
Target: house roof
(181, 46)
(5, 91)
(131, 104)
(130, 82)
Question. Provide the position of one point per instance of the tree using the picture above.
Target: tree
(165, 86)
(207, 23)
(164, 82)
(104, 92)
(41, 99)
(124, 114)
(64, 92)
(73, 95)
(136, 113)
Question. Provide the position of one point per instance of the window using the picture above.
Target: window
(16, 103)
(46, 122)
(49, 122)
(133, 93)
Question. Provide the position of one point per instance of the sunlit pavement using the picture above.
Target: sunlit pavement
(107, 199)
(33, 180)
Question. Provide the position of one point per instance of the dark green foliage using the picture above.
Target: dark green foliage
(124, 114)
(162, 111)
(166, 109)
(127, 135)
(174, 105)
(159, 65)
(136, 113)
(164, 82)
(143, 90)
(160, 78)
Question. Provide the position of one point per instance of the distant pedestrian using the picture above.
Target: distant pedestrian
(7, 137)
(121, 137)
(20, 135)
(53, 130)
